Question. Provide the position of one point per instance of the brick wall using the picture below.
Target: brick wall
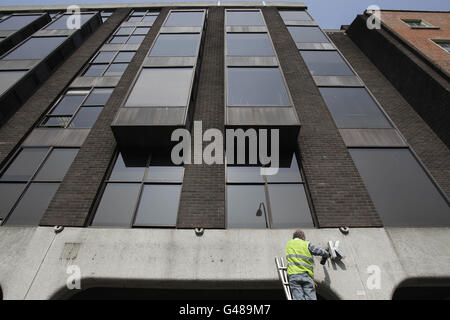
(202, 201)
(430, 149)
(76, 195)
(338, 193)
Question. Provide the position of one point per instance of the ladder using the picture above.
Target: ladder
(282, 275)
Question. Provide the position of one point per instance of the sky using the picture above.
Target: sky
(330, 14)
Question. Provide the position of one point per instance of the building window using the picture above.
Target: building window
(256, 87)
(17, 22)
(326, 63)
(249, 44)
(34, 48)
(419, 24)
(9, 78)
(77, 108)
(353, 108)
(444, 44)
(400, 189)
(129, 35)
(244, 18)
(30, 181)
(255, 200)
(142, 191)
(294, 15)
(185, 19)
(143, 16)
(105, 15)
(63, 21)
(109, 64)
(307, 34)
(176, 45)
(161, 87)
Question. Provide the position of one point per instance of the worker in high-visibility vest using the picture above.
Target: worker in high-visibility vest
(300, 266)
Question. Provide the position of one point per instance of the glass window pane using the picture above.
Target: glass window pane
(143, 30)
(149, 19)
(161, 87)
(63, 23)
(353, 108)
(116, 208)
(16, 22)
(176, 45)
(400, 189)
(256, 87)
(244, 18)
(184, 19)
(32, 206)
(289, 205)
(288, 171)
(118, 39)
(98, 97)
(249, 44)
(294, 15)
(243, 202)
(138, 13)
(129, 166)
(307, 34)
(35, 48)
(124, 56)
(68, 105)
(125, 31)
(95, 70)
(134, 19)
(61, 122)
(9, 193)
(116, 69)
(86, 117)
(158, 206)
(165, 174)
(25, 164)
(244, 174)
(326, 63)
(9, 78)
(57, 164)
(104, 57)
(136, 39)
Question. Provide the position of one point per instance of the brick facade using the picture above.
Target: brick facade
(338, 193)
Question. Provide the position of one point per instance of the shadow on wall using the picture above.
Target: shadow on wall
(423, 289)
(181, 290)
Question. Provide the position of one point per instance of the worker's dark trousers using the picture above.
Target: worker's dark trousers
(302, 287)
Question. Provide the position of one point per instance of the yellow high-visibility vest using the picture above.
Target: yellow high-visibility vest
(298, 257)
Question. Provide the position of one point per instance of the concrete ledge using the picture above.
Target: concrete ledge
(372, 138)
(18, 64)
(119, 47)
(54, 33)
(136, 24)
(338, 81)
(57, 137)
(83, 82)
(169, 62)
(238, 61)
(246, 29)
(181, 30)
(300, 23)
(314, 46)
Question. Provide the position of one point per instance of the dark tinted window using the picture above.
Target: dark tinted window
(63, 23)
(25, 164)
(130, 166)
(244, 18)
(184, 19)
(176, 45)
(142, 30)
(117, 205)
(98, 97)
(158, 205)
(35, 48)
(125, 30)
(402, 192)
(249, 44)
(287, 172)
(136, 39)
(115, 69)
(17, 22)
(289, 206)
(353, 108)
(86, 117)
(104, 57)
(244, 174)
(164, 174)
(33, 204)
(9, 193)
(57, 164)
(323, 63)
(68, 104)
(243, 202)
(256, 87)
(307, 34)
(294, 15)
(95, 70)
(124, 56)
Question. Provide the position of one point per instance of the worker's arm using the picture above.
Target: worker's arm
(316, 251)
